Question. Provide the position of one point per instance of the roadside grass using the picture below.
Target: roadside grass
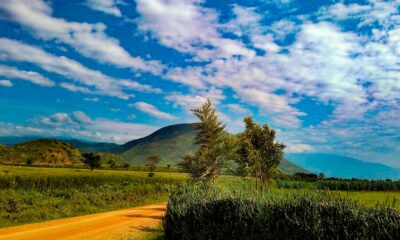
(31, 194)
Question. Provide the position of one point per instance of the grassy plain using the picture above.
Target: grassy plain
(31, 194)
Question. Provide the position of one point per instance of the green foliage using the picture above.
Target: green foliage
(359, 185)
(340, 184)
(153, 161)
(212, 154)
(111, 159)
(209, 212)
(258, 152)
(91, 160)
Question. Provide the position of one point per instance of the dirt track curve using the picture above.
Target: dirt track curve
(121, 224)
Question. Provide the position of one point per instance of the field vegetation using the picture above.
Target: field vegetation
(30, 194)
(303, 206)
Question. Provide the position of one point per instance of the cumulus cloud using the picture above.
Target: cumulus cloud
(6, 83)
(298, 148)
(78, 125)
(34, 77)
(91, 81)
(188, 27)
(106, 6)
(88, 39)
(196, 99)
(152, 110)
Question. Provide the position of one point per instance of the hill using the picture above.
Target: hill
(171, 143)
(85, 146)
(41, 151)
(344, 167)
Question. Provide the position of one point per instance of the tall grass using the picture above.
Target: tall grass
(222, 212)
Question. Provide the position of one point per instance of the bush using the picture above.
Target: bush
(205, 213)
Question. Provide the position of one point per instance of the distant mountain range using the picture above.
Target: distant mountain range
(344, 167)
(171, 143)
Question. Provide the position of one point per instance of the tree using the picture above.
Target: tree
(91, 160)
(153, 161)
(206, 163)
(321, 176)
(258, 153)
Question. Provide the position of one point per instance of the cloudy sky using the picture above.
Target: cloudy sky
(326, 74)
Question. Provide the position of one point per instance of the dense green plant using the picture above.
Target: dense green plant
(91, 160)
(212, 153)
(258, 152)
(198, 212)
(358, 185)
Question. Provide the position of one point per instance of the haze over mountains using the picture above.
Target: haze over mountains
(344, 167)
(174, 141)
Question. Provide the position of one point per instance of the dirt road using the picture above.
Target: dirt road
(131, 223)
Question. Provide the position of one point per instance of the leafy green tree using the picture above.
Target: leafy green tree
(91, 160)
(153, 161)
(258, 153)
(214, 149)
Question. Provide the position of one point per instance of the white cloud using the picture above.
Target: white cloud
(6, 83)
(236, 108)
(64, 125)
(34, 77)
(106, 6)
(152, 110)
(91, 81)
(188, 27)
(190, 101)
(81, 118)
(88, 39)
(297, 148)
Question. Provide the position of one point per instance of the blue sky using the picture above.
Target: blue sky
(326, 74)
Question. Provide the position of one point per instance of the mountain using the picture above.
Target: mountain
(41, 151)
(343, 167)
(85, 146)
(171, 143)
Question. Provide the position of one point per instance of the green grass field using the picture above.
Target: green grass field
(31, 194)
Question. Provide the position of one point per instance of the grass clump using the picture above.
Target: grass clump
(215, 212)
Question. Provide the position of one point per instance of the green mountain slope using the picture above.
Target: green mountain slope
(171, 143)
(42, 151)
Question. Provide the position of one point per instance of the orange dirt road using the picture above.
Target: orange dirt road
(131, 223)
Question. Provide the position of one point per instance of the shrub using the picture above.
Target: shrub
(206, 213)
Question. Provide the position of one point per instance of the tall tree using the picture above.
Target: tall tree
(153, 161)
(258, 152)
(91, 160)
(211, 156)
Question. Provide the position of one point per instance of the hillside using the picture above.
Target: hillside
(92, 146)
(42, 151)
(171, 143)
(344, 167)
